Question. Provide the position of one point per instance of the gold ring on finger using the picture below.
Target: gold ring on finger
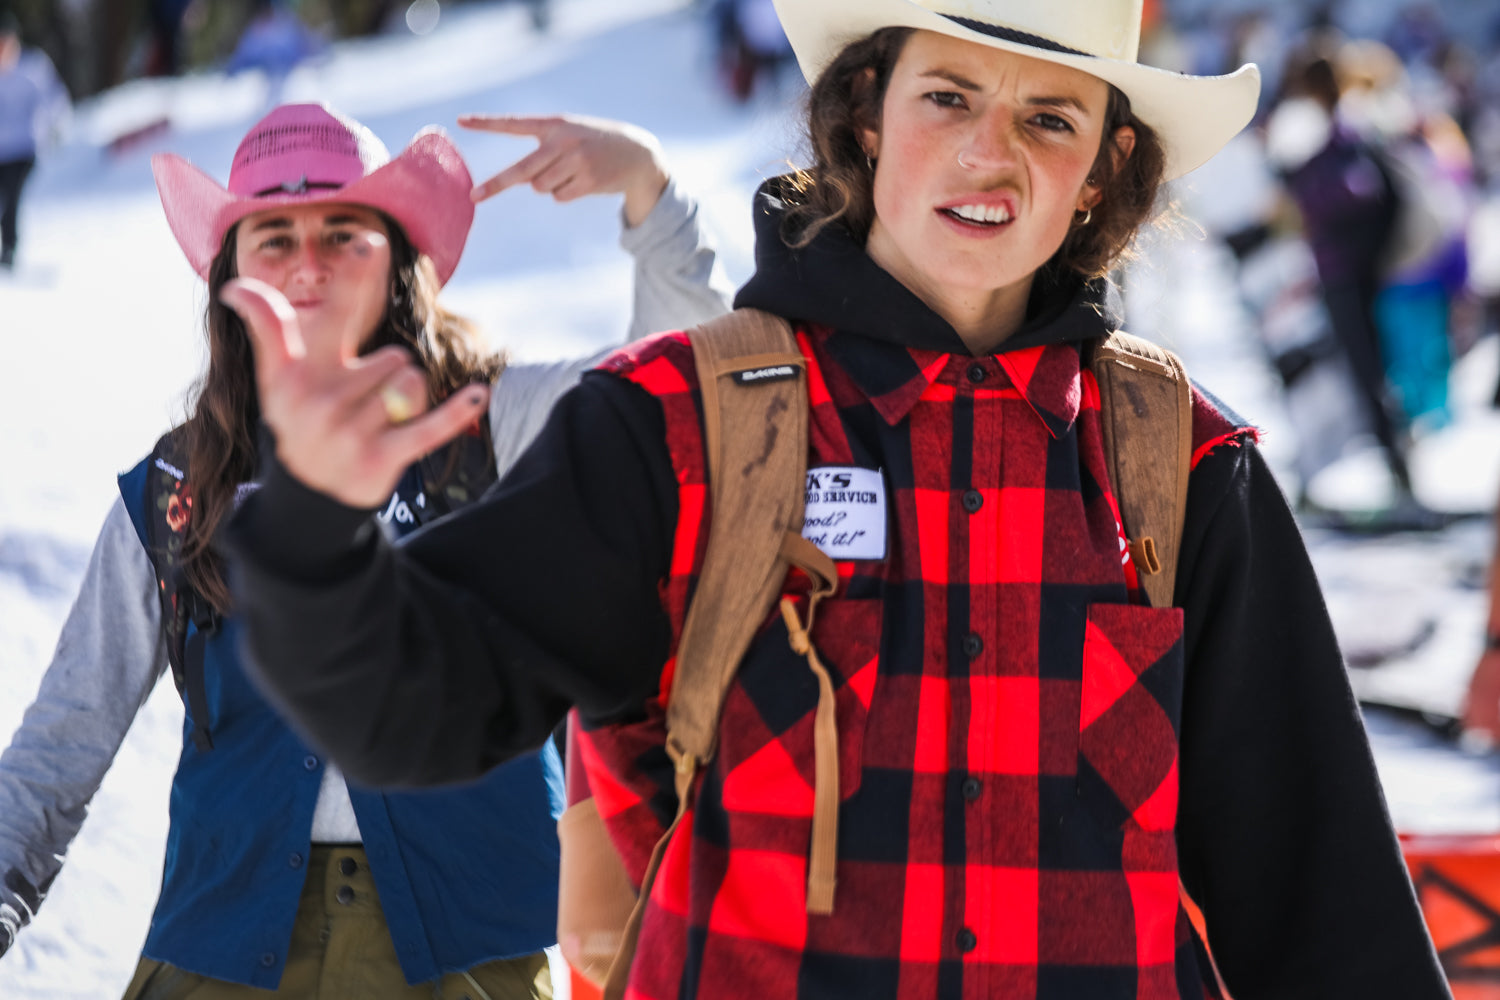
(398, 409)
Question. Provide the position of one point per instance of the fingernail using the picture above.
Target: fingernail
(476, 194)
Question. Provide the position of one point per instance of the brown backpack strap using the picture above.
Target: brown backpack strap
(753, 380)
(1147, 419)
(754, 384)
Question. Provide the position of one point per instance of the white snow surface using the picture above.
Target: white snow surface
(102, 320)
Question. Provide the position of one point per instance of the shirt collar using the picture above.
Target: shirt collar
(894, 378)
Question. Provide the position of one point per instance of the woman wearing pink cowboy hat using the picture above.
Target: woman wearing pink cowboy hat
(1043, 753)
(279, 875)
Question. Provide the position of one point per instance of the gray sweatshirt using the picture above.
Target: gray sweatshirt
(111, 653)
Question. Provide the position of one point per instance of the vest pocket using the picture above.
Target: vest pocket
(766, 756)
(1129, 714)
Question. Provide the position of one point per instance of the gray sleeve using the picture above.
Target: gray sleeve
(678, 280)
(678, 284)
(523, 397)
(107, 660)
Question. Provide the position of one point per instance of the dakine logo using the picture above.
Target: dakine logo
(775, 373)
(169, 469)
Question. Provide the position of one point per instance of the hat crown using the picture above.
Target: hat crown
(302, 147)
(1107, 28)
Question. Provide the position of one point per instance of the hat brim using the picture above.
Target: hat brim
(1195, 116)
(425, 189)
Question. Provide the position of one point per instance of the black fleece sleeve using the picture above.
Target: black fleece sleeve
(1283, 834)
(433, 660)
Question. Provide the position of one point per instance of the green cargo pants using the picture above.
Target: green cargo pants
(341, 950)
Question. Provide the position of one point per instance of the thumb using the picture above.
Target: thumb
(271, 323)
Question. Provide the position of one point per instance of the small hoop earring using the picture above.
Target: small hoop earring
(1088, 216)
(870, 162)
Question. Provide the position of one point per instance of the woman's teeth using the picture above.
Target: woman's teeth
(983, 214)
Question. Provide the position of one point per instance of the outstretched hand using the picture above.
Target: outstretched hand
(347, 426)
(579, 156)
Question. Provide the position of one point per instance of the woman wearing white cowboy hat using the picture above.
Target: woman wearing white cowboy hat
(1033, 760)
(279, 876)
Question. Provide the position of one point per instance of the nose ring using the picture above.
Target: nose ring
(964, 163)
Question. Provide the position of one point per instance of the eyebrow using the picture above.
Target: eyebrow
(964, 83)
(282, 222)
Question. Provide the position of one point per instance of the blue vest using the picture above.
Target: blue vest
(466, 875)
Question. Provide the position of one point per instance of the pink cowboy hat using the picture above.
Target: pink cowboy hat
(304, 153)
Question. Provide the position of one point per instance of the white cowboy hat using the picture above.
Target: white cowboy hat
(1194, 115)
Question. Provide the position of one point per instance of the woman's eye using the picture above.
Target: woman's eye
(1053, 123)
(339, 237)
(276, 244)
(946, 99)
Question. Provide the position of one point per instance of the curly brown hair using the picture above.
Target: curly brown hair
(220, 433)
(839, 187)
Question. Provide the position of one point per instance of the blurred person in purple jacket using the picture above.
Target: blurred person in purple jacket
(33, 104)
(1349, 207)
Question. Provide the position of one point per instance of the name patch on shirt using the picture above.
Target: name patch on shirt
(846, 512)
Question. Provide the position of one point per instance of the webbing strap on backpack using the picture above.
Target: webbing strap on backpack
(1146, 404)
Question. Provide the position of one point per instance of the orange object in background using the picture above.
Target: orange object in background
(1458, 883)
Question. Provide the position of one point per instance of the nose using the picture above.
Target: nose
(989, 146)
(310, 266)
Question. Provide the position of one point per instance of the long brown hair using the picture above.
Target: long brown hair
(839, 187)
(220, 432)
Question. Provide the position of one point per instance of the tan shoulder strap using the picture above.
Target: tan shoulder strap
(754, 383)
(753, 379)
(1147, 419)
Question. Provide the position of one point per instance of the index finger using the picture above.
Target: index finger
(532, 125)
(271, 323)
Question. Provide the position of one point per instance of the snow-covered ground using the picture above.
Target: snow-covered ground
(101, 329)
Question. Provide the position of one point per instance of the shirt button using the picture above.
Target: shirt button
(967, 941)
(977, 374)
(973, 645)
(267, 960)
(972, 788)
(294, 861)
(310, 762)
(347, 866)
(973, 500)
(345, 895)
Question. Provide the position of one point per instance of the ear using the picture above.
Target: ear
(861, 90)
(1121, 145)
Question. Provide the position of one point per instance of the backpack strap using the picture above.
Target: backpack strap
(753, 380)
(1147, 419)
(169, 507)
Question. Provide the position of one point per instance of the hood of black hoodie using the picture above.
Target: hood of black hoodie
(833, 282)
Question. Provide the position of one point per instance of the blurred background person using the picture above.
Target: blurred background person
(33, 107)
(1348, 207)
(275, 42)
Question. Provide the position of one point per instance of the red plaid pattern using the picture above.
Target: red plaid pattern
(1007, 711)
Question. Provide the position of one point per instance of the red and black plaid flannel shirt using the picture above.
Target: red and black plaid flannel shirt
(1007, 711)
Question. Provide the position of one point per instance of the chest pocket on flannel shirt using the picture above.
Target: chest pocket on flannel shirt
(766, 752)
(1130, 713)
